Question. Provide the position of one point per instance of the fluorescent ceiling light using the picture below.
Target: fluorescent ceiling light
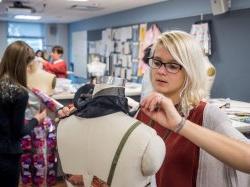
(27, 17)
(76, 0)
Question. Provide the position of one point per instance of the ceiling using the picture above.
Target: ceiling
(60, 11)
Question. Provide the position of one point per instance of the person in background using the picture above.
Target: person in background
(40, 58)
(202, 146)
(58, 65)
(13, 102)
(41, 54)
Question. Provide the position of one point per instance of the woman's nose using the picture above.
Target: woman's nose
(162, 70)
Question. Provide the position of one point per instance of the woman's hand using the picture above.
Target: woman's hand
(161, 109)
(76, 180)
(40, 116)
(65, 111)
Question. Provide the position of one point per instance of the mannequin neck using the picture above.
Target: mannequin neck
(40, 79)
(106, 90)
(34, 66)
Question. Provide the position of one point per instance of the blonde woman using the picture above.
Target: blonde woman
(203, 149)
(200, 141)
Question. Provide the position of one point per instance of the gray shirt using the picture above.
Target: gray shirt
(211, 171)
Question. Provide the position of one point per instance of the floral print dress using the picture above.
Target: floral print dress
(39, 158)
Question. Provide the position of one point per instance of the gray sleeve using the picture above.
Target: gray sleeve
(217, 120)
(212, 172)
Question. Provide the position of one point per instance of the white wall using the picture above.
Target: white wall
(3, 36)
(57, 34)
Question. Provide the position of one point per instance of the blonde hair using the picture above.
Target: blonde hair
(186, 51)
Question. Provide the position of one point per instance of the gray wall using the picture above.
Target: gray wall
(57, 34)
(230, 32)
(232, 55)
(230, 51)
(3, 34)
(166, 10)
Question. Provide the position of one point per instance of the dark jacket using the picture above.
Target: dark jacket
(13, 102)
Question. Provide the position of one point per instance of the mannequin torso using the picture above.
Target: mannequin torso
(211, 73)
(96, 68)
(87, 147)
(40, 79)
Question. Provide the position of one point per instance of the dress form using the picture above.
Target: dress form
(40, 79)
(96, 68)
(210, 74)
(87, 147)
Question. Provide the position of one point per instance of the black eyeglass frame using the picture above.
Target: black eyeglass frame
(151, 63)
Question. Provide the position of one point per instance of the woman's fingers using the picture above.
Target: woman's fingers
(76, 179)
(64, 112)
(156, 103)
(43, 114)
(72, 109)
(152, 102)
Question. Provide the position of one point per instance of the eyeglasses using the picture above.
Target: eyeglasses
(171, 67)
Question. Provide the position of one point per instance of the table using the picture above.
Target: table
(131, 90)
(234, 107)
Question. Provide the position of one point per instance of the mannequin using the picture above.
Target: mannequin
(40, 79)
(211, 72)
(82, 141)
(96, 68)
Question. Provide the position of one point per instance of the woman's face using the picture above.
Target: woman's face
(39, 54)
(163, 80)
(55, 56)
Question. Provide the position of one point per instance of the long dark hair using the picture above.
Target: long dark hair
(15, 60)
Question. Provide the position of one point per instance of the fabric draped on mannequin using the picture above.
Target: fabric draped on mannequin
(104, 102)
(38, 161)
(102, 105)
(82, 94)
